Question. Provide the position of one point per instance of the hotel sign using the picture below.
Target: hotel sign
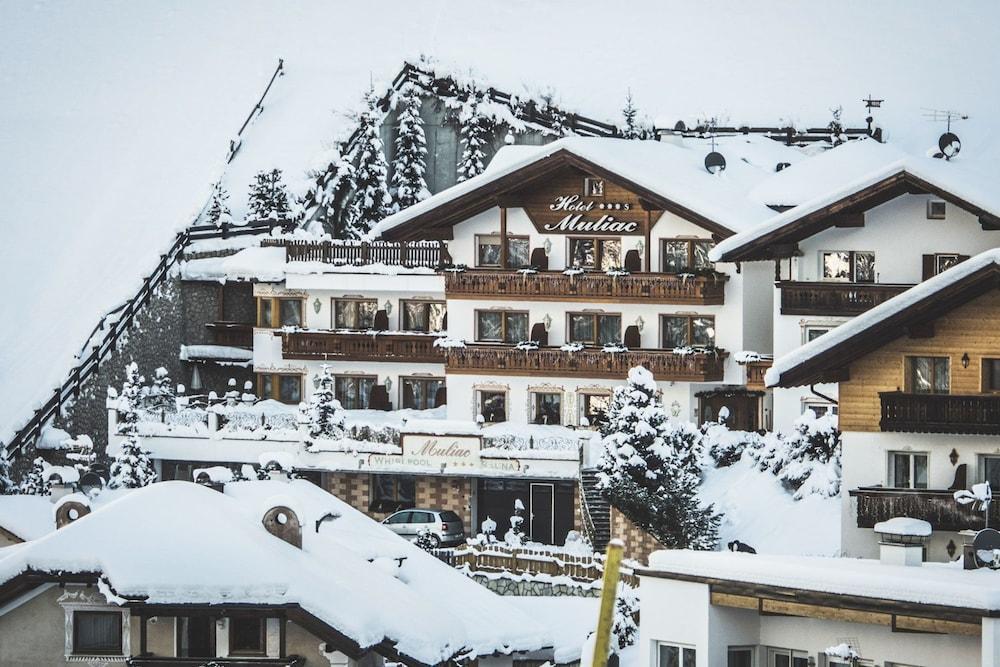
(449, 454)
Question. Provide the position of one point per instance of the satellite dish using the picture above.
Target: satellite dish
(91, 482)
(950, 145)
(714, 162)
(986, 548)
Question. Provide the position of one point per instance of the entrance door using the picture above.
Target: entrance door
(541, 517)
(742, 409)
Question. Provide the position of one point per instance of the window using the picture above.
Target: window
(810, 333)
(991, 471)
(488, 251)
(97, 632)
(391, 493)
(687, 331)
(195, 637)
(247, 636)
(849, 266)
(991, 375)
(944, 262)
(820, 408)
(782, 657)
(546, 407)
(354, 313)
(597, 254)
(501, 326)
(908, 470)
(686, 255)
(593, 408)
(354, 391)
(419, 393)
(740, 656)
(280, 387)
(273, 313)
(668, 655)
(928, 375)
(593, 187)
(493, 405)
(594, 328)
(936, 209)
(426, 316)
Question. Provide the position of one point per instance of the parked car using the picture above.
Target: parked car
(445, 526)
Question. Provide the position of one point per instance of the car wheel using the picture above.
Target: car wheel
(434, 540)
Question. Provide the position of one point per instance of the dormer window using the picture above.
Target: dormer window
(848, 266)
(936, 209)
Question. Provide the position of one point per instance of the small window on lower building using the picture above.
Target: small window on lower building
(936, 209)
(908, 470)
(391, 493)
(672, 655)
(247, 636)
(783, 657)
(810, 332)
(991, 471)
(493, 405)
(196, 637)
(420, 393)
(819, 408)
(97, 632)
(546, 407)
(354, 391)
(280, 387)
(740, 656)
(991, 375)
(593, 408)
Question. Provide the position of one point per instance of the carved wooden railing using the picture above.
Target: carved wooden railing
(415, 254)
(557, 286)
(233, 334)
(665, 365)
(940, 413)
(936, 506)
(832, 298)
(166, 661)
(329, 346)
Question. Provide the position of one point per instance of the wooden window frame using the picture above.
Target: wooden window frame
(504, 314)
(417, 378)
(681, 648)
(908, 374)
(532, 406)
(276, 386)
(853, 277)
(353, 376)
(499, 241)
(598, 250)
(595, 315)
(115, 651)
(486, 390)
(178, 632)
(581, 402)
(890, 476)
(690, 329)
(375, 503)
(427, 302)
(931, 214)
(276, 310)
(690, 254)
(985, 374)
(263, 637)
(335, 306)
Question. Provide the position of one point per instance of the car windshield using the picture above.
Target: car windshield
(450, 516)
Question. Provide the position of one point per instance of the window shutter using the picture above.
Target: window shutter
(928, 265)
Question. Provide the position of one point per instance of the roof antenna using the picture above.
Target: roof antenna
(714, 161)
(872, 103)
(949, 144)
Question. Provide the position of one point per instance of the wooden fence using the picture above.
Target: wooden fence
(409, 254)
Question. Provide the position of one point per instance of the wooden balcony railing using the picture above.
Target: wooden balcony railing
(755, 374)
(940, 413)
(332, 346)
(233, 334)
(832, 298)
(410, 254)
(665, 365)
(936, 506)
(557, 286)
(166, 661)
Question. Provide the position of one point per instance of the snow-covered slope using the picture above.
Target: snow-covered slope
(117, 115)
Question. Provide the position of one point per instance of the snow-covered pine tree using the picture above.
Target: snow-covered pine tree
(161, 392)
(129, 399)
(132, 467)
(218, 211)
(7, 485)
(649, 467)
(268, 197)
(34, 483)
(323, 415)
(515, 536)
(409, 165)
(630, 115)
(476, 134)
(371, 201)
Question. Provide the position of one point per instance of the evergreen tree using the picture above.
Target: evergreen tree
(161, 395)
(370, 202)
(476, 134)
(324, 415)
(129, 400)
(649, 468)
(268, 197)
(132, 467)
(330, 196)
(630, 114)
(515, 536)
(34, 482)
(7, 486)
(218, 211)
(409, 165)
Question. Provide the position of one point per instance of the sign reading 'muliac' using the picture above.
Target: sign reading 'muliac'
(575, 221)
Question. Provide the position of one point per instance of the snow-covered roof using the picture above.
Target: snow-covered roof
(943, 584)
(341, 575)
(904, 526)
(675, 172)
(842, 336)
(26, 517)
(830, 177)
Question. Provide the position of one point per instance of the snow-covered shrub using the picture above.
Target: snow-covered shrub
(515, 536)
(7, 486)
(370, 201)
(807, 460)
(726, 447)
(218, 213)
(625, 629)
(408, 183)
(426, 540)
(128, 400)
(132, 467)
(476, 134)
(34, 482)
(268, 197)
(649, 469)
(323, 416)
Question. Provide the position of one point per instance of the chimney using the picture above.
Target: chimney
(670, 134)
(69, 511)
(902, 541)
(284, 524)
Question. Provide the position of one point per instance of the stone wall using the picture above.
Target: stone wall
(503, 584)
(638, 543)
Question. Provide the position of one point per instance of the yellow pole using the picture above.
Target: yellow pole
(609, 591)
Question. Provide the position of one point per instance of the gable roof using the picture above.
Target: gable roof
(668, 176)
(851, 179)
(187, 544)
(822, 359)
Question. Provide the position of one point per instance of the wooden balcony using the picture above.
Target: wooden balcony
(350, 346)
(165, 661)
(936, 506)
(360, 253)
(665, 365)
(977, 414)
(232, 334)
(833, 298)
(556, 286)
(755, 374)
